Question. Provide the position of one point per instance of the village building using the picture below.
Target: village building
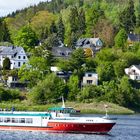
(90, 79)
(95, 44)
(133, 72)
(133, 38)
(16, 55)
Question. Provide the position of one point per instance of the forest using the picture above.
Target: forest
(41, 27)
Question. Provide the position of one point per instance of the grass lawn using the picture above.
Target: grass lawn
(94, 107)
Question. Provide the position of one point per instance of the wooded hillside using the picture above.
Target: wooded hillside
(50, 23)
(74, 19)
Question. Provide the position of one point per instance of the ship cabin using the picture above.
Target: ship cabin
(61, 111)
(24, 119)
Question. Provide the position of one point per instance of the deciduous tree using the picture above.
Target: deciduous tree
(49, 90)
(26, 38)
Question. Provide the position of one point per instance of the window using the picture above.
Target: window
(18, 64)
(89, 81)
(6, 120)
(68, 53)
(29, 120)
(22, 120)
(14, 120)
(89, 75)
(24, 57)
(137, 77)
(1, 119)
(62, 53)
(19, 57)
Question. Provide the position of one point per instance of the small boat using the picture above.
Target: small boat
(56, 119)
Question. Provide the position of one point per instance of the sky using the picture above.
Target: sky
(8, 6)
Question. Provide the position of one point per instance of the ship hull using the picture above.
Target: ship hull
(66, 127)
(81, 127)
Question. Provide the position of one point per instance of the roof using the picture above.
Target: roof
(137, 66)
(86, 42)
(91, 73)
(59, 108)
(134, 37)
(9, 50)
(24, 114)
(61, 51)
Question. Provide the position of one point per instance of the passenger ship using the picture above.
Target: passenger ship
(55, 120)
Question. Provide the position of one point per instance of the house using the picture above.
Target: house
(16, 55)
(64, 75)
(13, 82)
(54, 69)
(62, 52)
(60, 73)
(133, 38)
(94, 43)
(133, 72)
(90, 79)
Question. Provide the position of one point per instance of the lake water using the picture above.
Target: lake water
(127, 128)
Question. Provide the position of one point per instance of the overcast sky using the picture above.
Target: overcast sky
(8, 6)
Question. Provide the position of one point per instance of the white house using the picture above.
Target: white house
(133, 72)
(16, 55)
(90, 79)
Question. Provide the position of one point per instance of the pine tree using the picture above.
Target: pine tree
(44, 33)
(53, 28)
(6, 64)
(60, 29)
(6, 34)
(138, 17)
(127, 17)
(73, 18)
(80, 3)
(1, 31)
(82, 21)
(138, 20)
(120, 39)
(72, 40)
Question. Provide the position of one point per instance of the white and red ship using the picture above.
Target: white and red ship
(55, 120)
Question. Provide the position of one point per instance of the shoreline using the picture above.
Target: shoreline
(85, 108)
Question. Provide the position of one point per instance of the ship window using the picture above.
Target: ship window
(29, 120)
(1, 119)
(6, 120)
(22, 120)
(14, 120)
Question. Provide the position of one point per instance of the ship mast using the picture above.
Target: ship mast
(63, 103)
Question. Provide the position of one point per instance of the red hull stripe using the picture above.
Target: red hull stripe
(65, 127)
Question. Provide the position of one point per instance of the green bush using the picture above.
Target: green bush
(6, 95)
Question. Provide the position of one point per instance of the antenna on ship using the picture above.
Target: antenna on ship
(106, 114)
(63, 105)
